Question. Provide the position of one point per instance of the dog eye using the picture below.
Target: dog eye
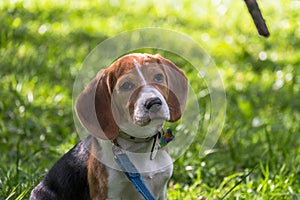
(158, 78)
(127, 86)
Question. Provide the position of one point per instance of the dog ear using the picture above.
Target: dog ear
(93, 108)
(177, 88)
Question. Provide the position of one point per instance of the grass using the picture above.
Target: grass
(43, 45)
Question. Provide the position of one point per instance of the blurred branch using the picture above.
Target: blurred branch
(257, 18)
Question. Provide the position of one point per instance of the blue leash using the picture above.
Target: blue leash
(132, 173)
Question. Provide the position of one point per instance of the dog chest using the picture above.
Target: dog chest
(155, 175)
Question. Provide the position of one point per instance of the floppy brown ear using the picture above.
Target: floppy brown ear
(93, 108)
(178, 88)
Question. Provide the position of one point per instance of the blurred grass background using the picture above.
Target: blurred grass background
(43, 45)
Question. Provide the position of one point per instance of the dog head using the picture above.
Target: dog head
(136, 94)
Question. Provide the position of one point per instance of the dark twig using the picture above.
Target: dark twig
(243, 178)
(257, 18)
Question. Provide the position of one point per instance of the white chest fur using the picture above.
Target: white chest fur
(155, 173)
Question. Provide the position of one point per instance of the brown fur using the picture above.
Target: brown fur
(97, 175)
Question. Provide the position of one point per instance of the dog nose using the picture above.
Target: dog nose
(153, 104)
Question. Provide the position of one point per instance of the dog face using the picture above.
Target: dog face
(136, 94)
(143, 88)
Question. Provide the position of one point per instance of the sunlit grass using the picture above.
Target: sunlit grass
(43, 45)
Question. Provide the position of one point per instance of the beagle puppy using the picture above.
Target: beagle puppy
(125, 104)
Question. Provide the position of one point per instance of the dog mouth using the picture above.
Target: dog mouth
(142, 121)
(152, 115)
(146, 120)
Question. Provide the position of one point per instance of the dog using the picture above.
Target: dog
(126, 105)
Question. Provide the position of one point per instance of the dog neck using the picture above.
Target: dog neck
(135, 144)
(134, 139)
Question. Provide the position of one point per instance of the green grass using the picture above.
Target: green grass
(43, 45)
